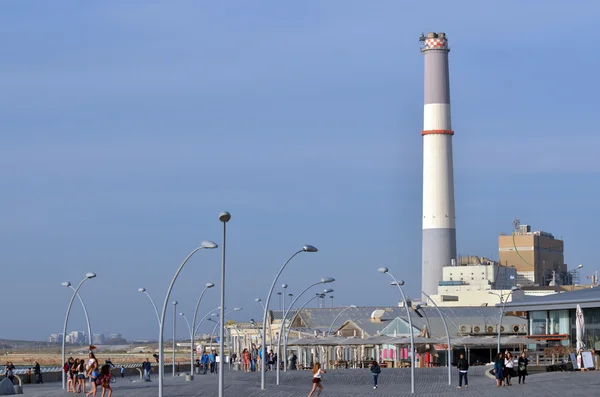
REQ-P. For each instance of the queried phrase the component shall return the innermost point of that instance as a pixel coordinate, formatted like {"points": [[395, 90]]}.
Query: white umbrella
{"points": [[580, 329]]}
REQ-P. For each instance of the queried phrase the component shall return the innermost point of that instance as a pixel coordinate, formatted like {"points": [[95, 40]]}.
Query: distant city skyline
{"points": [[129, 126]]}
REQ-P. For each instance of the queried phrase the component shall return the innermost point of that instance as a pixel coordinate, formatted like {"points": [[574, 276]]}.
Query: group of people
{"points": [[208, 361], [504, 369], [77, 370], [251, 359]]}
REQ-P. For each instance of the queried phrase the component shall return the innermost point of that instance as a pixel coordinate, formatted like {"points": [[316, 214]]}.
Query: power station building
{"points": [[537, 256]]}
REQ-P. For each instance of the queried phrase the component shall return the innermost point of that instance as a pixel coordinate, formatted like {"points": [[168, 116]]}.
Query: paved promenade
{"points": [[350, 383]]}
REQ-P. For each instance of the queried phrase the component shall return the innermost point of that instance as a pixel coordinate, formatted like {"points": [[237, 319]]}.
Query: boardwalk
{"points": [[350, 383]]}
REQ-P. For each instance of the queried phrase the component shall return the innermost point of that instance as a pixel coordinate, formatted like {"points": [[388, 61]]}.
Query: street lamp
{"points": [[193, 326], [318, 295], [385, 270], [447, 333], [338, 315], [191, 342], [143, 290], [324, 280], [87, 318], [306, 248], [513, 289], [161, 371], [223, 217], [87, 277], [174, 325], [237, 309], [210, 313]]}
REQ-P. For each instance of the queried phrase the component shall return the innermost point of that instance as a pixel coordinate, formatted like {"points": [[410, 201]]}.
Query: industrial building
{"points": [[537, 256]]}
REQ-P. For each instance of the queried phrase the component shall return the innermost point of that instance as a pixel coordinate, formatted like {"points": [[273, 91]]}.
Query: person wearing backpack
{"points": [[463, 368], [375, 371]]}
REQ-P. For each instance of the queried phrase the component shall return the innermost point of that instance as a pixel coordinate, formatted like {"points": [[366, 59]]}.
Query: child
{"points": [[105, 380]]}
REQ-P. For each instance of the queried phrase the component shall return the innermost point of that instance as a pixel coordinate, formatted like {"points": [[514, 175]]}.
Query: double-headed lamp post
{"points": [[503, 302], [87, 318], [306, 248], [324, 280], [161, 356], [385, 270], [87, 277], [143, 291]]}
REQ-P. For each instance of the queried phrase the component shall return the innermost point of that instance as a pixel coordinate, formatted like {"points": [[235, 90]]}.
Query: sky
{"points": [[127, 126]]}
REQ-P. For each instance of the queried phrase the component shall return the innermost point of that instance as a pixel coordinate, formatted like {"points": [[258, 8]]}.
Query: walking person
{"points": [[316, 380], [509, 368], [522, 367], [463, 368], [93, 372], [499, 369], [105, 380], [253, 357], [37, 371], [246, 358], [292, 361], [375, 371], [204, 360], [146, 368], [122, 371]]}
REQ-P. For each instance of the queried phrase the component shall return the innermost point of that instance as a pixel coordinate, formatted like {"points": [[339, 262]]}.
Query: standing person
{"points": [[212, 359], [270, 358], [509, 368], [205, 361], [253, 357], [75, 375], [93, 372], [105, 380], [463, 368], [122, 371], [498, 369], [9, 371], [146, 368], [81, 376], [292, 360], [522, 367], [316, 380], [246, 358], [37, 371], [375, 371]]}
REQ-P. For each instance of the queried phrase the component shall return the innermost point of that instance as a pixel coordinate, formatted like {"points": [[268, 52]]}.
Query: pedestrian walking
{"points": [[463, 368], [317, 379], [522, 367], [105, 380], [375, 371], [499, 369], [37, 371], [509, 368]]}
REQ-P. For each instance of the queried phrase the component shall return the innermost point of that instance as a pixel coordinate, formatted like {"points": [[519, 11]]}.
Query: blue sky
{"points": [[127, 126]]}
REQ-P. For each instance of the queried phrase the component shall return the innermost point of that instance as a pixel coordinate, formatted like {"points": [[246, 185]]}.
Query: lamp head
{"points": [[290, 295], [66, 284], [141, 289], [321, 295], [224, 216], [353, 306], [237, 309], [258, 300], [284, 286], [209, 285], [309, 248], [383, 269], [399, 283], [326, 291], [90, 275], [579, 267], [206, 244], [326, 280], [175, 303], [514, 288], [279, 293], [491, 293], [181, 314]]}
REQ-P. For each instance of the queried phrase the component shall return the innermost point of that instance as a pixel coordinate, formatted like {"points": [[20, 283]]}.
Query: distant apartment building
{"points": [[73, 337], [55, 338], [98, 339], [537, 256]]}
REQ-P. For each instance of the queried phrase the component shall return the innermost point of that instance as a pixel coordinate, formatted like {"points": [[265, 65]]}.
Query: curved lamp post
{"points": [[87, 277], [191, 342], [193, 326], [161, 370], [224, 217], [447, 334], [143, 290], [253, 323], [503, 301], [324, 280], [318, 295], [87, 318], [221, 353], [306, 248], [210, 313], [339, 314], [385, 270]]}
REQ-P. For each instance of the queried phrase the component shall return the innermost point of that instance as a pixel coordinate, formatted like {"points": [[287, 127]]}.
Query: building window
{"points": [[538, 324]]}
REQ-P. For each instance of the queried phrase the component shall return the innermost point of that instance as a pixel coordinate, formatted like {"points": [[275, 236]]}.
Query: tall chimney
{"points": [[439, 220]]}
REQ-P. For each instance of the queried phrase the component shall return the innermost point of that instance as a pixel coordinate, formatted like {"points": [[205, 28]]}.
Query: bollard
{"points": [[189, 378], [18, 389]]}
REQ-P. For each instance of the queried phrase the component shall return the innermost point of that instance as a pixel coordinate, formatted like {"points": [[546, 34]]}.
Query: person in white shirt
{"points": [[509, 364], [316, 380]]}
